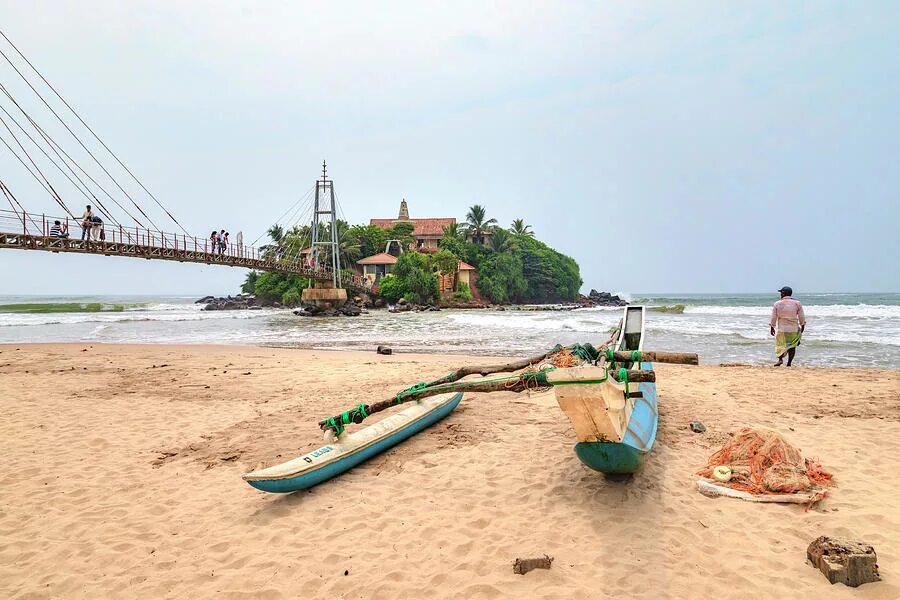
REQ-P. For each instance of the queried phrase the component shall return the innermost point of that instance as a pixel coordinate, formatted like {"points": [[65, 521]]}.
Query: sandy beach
{"points": [[122, 464]]}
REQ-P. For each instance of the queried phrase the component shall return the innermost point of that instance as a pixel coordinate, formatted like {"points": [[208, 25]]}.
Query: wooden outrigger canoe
{"points": [[353, 448], [615, 423]]}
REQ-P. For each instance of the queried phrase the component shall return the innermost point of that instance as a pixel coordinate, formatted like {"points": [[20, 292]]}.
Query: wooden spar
{"points": [[517, 383], [485, 370], [678, 358]]}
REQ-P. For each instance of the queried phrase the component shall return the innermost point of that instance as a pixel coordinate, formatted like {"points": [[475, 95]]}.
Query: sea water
{"points": [[844, 330]]}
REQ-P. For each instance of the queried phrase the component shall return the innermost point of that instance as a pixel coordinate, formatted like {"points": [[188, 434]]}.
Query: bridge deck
{"points": [[152, 245]]}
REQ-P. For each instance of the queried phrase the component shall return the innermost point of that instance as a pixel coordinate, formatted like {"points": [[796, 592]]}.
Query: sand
{"points": [[121, 479]]}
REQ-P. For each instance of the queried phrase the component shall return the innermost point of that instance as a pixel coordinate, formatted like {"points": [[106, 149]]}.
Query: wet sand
{"points": [[122, 464]]}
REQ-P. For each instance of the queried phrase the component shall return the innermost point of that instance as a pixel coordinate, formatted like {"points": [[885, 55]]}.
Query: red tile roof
{"points": [[378, 259], [464, 266], [422, 226]]}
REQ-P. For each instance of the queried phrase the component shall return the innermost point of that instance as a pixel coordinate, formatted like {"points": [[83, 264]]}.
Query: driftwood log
{"points": [[523, 565]]}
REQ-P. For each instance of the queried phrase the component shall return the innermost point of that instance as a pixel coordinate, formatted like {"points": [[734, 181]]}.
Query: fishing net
{"points": [[762, 462]]}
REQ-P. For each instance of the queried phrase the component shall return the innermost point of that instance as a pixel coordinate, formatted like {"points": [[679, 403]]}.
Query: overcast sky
{"points": [[667, 147]]}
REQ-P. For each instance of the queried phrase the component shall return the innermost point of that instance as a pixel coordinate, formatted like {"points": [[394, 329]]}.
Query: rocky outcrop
{"points": [[349, 309], [239, 302], [404, 306], [596, 298]]}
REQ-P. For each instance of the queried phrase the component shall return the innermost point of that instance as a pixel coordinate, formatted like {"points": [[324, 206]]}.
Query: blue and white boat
{"points": [[353, 448], [615, 423]]}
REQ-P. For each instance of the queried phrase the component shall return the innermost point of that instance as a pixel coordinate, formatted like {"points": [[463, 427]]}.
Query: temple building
{"points": [[426, 232]]}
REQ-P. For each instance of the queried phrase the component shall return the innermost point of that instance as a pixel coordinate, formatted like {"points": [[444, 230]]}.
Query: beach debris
{"points": [[383, 350], [759, 464], [850, 562], [523, 565], [697, 427]]}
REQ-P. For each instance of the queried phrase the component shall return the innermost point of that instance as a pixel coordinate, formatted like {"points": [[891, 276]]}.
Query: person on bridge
{"points": [[213, 244], [97, 228], [225, 242], [86, 222], [58, 230], [221, 239]]}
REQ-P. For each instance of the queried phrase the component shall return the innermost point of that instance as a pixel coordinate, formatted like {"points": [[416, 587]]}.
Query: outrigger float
{"points": [[608, 394]]}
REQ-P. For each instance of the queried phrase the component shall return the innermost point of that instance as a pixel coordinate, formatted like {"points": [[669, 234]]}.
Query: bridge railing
{"points": [[40, 225]]}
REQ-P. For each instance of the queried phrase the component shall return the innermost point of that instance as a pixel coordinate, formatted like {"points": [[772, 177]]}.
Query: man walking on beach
{"points": [[787, 325]]}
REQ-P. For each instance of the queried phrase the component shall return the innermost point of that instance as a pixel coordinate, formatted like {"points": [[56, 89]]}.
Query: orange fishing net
{"points": [[762, 462], [564, 359]]}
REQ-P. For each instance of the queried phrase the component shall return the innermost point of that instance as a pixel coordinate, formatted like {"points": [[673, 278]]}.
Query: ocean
{"points": [[844, 330]]}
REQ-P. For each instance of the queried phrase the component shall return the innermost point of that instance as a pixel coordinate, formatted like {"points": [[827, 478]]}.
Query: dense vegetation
{"points": [[511, 264]]}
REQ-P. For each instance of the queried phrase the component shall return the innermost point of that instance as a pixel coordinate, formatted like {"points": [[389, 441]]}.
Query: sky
{"points": [[716, 147]]}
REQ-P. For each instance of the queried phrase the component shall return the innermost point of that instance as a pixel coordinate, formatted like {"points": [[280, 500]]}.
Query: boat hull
{"points": [[627, 456], [354, 448], [627, 453]]}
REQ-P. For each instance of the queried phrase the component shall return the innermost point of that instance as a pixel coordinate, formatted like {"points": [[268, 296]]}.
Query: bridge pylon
{"points": [[321, 293]]}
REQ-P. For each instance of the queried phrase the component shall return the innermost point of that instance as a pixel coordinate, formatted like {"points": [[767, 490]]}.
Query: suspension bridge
{"points": [[66, 158]]}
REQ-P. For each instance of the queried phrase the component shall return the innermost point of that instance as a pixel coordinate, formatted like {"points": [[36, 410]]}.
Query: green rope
{"points": [[623, 377], [585, 352], [338, 428], [610, 355], [636, 356], [410, 390]]}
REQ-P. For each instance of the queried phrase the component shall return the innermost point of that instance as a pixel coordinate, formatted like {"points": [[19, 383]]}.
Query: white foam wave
{"points": [[872, 311], [535, 321]]}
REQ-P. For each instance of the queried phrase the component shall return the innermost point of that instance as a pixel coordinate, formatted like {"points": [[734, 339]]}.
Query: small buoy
{"points": [[722, 473]]}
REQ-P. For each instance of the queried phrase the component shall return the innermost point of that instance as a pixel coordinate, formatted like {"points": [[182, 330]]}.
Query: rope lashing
{"points": [[610, 355], [335, 426], [623, 377], [410, 390], [636, 356], [354, 415]]}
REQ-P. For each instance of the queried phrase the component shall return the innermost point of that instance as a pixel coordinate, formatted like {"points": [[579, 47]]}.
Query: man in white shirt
{"points": [[787, 325]]}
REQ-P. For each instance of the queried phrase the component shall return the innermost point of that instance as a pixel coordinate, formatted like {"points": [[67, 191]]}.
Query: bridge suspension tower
{"points": [[325, 294], [325, 206]]}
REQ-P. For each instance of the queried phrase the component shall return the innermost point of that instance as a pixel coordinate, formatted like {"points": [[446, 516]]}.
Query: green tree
{"points": [[391, 288], [249, 282], [401, 231], [453, 230], [477, 224], [502, 240], [274, 249], [371, 239], [415, 271], [501, 279], [444, 261], [520, 229]]}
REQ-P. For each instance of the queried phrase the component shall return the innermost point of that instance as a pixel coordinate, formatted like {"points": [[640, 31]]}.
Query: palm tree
{"points": [[452, 230], [520, 229], [276, 248], [349, 244], [502, 240], [477, 225]]}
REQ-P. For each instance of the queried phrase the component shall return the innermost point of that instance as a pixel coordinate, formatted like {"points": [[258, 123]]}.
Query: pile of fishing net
{"points": [[579, 354], [759, 461]]}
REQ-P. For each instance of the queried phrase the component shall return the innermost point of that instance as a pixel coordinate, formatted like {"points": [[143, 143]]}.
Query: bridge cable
{"points": [[57, 149], [77, 139], [279, 219], [86, 192], [51, 189], [102, 143]]}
